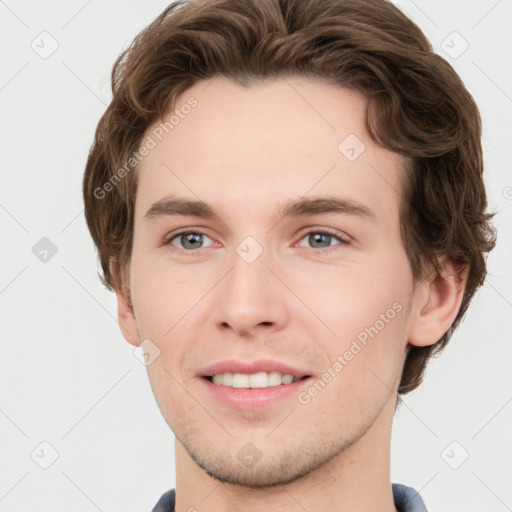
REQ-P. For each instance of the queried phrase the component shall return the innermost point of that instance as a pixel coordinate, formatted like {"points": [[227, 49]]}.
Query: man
{"points": [[287, 199]]}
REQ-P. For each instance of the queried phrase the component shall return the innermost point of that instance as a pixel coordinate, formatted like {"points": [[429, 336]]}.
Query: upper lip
{"points": [[250, 367]]}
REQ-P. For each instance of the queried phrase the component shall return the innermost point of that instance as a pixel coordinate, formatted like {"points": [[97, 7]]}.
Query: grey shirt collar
{"points": [[406, 500]]}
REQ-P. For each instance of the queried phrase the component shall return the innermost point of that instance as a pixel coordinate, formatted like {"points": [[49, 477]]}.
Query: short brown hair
{"points": [[417, 107]]}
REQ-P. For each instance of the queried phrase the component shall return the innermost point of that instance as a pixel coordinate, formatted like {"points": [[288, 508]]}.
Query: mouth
{"points": [[250, 386], [260, 380]]}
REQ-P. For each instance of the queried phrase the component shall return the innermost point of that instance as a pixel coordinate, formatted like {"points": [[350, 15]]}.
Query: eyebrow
{"points": [[299, 208]]}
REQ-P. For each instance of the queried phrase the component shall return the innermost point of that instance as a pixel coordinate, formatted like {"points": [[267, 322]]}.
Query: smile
{"points": [[258, 380]]}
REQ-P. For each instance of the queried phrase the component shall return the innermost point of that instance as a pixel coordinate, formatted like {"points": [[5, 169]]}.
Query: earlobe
{"points": [[125, 315], [439, 301]]}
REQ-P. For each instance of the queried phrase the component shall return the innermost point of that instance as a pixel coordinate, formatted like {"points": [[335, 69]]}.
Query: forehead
{"points": [[254, 147]]}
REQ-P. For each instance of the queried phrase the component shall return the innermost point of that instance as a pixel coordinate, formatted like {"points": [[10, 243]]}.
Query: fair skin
{"points": [[247, 152]]}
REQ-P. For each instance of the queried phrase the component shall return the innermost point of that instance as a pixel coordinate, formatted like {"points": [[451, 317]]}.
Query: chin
{"points": [[272, 467]]}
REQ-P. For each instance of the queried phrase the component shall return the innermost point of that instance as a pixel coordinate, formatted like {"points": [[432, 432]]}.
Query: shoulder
{"points": [[407, 499], [165, 503]]}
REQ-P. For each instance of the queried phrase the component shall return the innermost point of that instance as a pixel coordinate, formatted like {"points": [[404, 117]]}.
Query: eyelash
{"points": [[322, 231]]}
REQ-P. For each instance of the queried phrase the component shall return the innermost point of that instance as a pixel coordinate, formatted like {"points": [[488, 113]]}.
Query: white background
{"points": [[68, 377]]}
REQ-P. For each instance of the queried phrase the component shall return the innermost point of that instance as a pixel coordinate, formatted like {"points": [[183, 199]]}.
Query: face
{"points": [[294, 270]]}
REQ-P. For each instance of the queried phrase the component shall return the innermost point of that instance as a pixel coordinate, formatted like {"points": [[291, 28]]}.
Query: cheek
{"points": [[354, 295], [160, 294], [364, 368], [367, 310], [163, 306]]}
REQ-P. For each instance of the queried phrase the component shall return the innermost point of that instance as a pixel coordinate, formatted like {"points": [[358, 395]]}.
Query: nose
{"points": [[252, 297]]}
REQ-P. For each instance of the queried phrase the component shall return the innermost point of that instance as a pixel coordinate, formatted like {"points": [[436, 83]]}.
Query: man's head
{"points": [[267, 111]]}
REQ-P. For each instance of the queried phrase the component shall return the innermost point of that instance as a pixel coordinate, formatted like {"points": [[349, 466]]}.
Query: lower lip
{"points": [[250, 399]]}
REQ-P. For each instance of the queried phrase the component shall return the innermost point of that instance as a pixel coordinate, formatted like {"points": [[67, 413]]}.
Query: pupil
{"points": [[191, 238], [317, 237]]}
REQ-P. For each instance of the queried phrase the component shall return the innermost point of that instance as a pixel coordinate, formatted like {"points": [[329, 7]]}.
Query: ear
{"points": [[125, 315], [437, 304]]}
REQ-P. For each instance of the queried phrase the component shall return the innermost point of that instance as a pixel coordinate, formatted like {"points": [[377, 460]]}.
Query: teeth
{"points": [[240, 380], [255, 380]]}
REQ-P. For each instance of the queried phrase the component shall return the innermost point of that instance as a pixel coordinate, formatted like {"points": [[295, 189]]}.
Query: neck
{"points": [[356, 479]]}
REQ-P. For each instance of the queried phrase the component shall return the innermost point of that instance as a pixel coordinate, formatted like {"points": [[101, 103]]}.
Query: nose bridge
{"points": [[249, 295], [248, 280]]}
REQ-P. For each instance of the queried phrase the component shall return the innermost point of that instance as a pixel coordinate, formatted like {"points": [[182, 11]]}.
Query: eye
{"points": [[188, 240], [323, 238]]}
